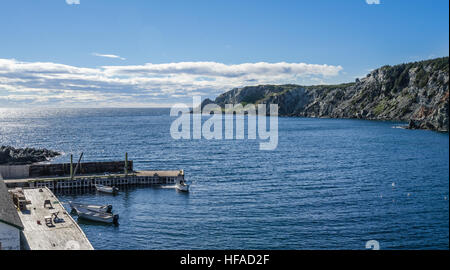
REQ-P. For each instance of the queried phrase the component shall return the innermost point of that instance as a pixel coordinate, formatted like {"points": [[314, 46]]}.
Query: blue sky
{"points": [[156, 53]]}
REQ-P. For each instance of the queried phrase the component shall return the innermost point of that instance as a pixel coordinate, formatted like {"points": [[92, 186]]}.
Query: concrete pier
{"points": [[37, 235]]}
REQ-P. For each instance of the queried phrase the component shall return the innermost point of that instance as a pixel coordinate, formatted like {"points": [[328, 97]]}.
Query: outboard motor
{"points": [[116, 219]]}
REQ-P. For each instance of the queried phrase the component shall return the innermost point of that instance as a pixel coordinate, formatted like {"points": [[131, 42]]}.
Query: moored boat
{"points": [[96, 216], [106, 189], [182, 186], [92, 207]]}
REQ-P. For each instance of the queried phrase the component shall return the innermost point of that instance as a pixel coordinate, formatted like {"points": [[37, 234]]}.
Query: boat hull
{"points": [[106, 189], [181, 187], [96, 216], [91, 207]]}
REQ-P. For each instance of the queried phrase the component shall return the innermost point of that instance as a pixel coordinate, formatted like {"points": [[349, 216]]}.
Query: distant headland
{"points": [[416, 93]]}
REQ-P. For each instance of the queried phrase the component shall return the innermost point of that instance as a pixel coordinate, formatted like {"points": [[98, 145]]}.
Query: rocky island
{"points": [[416, 93], [19, 156]]}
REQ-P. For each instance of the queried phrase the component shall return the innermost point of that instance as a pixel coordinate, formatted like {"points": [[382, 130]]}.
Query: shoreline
{"points": [[404, 123]]}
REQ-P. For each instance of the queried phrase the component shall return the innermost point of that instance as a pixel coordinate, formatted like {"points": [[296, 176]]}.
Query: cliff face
{"points": [[415, 92]]}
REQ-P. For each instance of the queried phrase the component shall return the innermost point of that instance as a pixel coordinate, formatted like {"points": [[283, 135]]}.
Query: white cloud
{"points": [[223, 70], [108, 56], [73, 2], [373, 2], [46, 83]]}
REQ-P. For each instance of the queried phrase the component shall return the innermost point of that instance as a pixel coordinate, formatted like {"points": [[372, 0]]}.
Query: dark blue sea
{"points": [[330, 183]]}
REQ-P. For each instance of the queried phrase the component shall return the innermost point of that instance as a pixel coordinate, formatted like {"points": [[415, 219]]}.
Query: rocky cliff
{"points": [[417, 93]]}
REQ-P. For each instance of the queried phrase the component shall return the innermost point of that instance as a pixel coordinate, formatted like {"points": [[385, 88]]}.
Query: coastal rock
{"points": [[206, 102], [19, 156]]}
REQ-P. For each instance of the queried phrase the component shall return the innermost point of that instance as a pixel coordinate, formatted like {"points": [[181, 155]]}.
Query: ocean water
{"points": [[330, 184]]}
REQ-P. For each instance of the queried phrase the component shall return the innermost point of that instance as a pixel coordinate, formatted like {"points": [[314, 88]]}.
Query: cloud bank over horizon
{"points": [[53, 84]]}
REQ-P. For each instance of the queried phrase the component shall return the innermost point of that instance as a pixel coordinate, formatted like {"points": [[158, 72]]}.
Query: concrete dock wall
{"points": [[42, 170], [15, 171], [63, 169]]}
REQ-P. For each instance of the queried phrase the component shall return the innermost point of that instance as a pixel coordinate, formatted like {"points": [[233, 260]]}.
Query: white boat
{"points": [[92, 207], [96, 216], [182, 186], [107, 189]]}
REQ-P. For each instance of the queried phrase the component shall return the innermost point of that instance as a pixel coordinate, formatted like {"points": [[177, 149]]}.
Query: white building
{"points": [[10, 223]]}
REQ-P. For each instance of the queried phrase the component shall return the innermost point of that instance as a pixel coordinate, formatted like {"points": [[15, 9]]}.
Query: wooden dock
{"points": [[88, 182], [58, 236]]}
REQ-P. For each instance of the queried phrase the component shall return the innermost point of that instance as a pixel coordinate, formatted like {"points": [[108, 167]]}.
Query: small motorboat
{"points": [[92, 207], [96, 216], [182, 186], [107, 189]]}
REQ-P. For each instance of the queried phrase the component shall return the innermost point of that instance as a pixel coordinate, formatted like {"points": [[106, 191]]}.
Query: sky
{"points": [[117, 53]]}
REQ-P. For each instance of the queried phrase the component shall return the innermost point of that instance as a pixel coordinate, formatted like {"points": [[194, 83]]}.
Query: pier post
{"points": [[126, 164], [78, 165], [71, 167]]}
